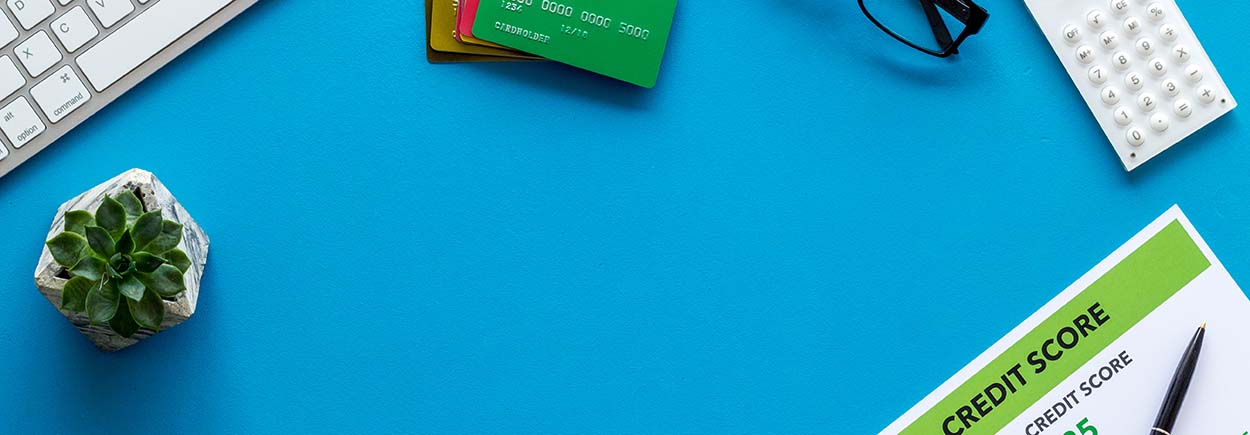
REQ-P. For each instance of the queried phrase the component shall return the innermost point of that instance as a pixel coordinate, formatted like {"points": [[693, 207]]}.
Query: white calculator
{"points": [[1140, 68]]}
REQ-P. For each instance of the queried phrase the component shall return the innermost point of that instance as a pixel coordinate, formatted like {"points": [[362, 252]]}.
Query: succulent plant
{"points": [[122, 263]]}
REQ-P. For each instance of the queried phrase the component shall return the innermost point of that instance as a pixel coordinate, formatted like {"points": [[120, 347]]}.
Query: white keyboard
{"points": [[1140, 68], [63, 60]]}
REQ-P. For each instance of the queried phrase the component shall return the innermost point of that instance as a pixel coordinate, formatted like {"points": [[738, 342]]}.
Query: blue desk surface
{"points": [[805, 227]]}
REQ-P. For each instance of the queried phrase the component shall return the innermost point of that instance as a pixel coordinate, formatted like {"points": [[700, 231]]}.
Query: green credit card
{"points": [[622, 39]]}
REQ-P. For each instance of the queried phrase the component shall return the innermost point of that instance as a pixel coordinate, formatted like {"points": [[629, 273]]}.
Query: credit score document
{"points": [[1098, 358]]}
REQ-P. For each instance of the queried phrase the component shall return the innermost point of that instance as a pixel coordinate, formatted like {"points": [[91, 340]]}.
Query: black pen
{"points": [[1180, 385]]}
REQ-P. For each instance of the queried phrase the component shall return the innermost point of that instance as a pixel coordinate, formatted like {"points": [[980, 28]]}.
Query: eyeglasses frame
{"points": [[970, 14]]}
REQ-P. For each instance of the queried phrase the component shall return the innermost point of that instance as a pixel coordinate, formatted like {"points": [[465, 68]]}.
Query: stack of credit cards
{"points": [[622, 39]]}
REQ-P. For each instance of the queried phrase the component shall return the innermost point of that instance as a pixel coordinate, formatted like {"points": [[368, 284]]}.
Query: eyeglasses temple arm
{"points": [[940, 32]]}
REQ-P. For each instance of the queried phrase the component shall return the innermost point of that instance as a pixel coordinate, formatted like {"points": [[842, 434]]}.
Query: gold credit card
{"points": [[440, 25]]}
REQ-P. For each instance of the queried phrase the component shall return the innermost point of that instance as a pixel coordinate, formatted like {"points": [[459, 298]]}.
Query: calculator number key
{"points": [[1122, 116], [1098, 75], [1134, 81], [1136, 137], [1110, 95], [1147, 102], [1170, 87], [1158, 67], [1122, 61]]}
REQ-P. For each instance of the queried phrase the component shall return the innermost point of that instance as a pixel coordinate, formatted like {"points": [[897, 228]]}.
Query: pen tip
{"points": [[1204, 325]]}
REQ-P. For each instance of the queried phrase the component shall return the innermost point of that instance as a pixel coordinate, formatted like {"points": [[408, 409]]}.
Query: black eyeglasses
{"points": [[920, 23]]}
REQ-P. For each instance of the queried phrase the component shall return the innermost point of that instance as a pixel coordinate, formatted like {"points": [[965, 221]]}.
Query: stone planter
{"points": [[50, 277]]}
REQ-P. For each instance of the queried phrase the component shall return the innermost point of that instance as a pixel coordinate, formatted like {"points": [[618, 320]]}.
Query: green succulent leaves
{"points": [[123, 263]]}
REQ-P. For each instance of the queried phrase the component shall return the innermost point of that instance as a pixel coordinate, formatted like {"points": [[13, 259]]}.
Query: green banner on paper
{"points": [[1050, 353]]}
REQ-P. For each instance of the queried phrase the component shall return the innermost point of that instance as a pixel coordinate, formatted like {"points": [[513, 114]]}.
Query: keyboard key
{"points": [[1182, 108], [74, 29], [1145, 47], [20, 123], [10, 78], [8, 32], [38, 53], [31, 12], [111, 11], [4, 151], [60, 94], [141, 38]]}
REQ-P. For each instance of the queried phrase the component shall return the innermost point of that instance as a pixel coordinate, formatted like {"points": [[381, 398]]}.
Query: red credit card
{"points": [[464, 20]]}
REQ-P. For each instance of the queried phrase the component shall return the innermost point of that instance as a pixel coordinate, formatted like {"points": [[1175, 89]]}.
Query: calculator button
{"points": [[1181, 54], [1159, 122], [1119, 6], [1170, 87], [1194, 73], [1182, 108], [1147, 102], [1206, 94], [1158, 67], [1109, 39], [1145, 46], [1110, 95], [1072, 34], [1136, 137], [1134, 81], [1121, 61], [1132, 25], [1085, 54], [1095, 18], [1122, 116], [1168, 31], [1098, 75], [1155, 11]]}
